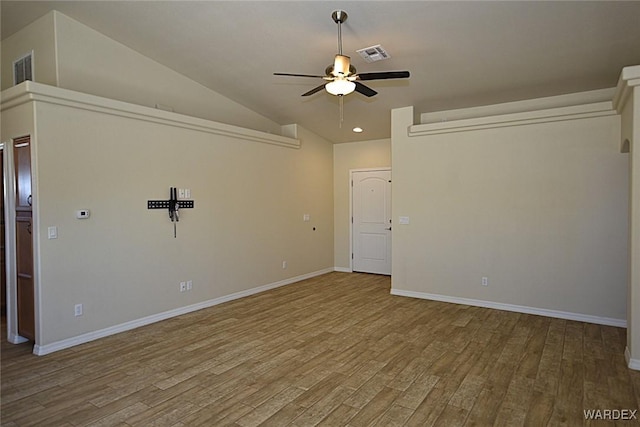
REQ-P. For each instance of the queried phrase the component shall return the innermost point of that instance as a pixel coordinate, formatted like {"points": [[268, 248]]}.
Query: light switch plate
{"points": [[404, 220], [53, 232]]}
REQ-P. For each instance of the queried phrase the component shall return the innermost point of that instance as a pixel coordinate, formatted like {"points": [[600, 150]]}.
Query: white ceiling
{"points": [[459, 54]]}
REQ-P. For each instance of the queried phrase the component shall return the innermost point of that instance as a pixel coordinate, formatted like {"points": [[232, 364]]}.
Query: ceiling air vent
{"points": [[373, 53]]}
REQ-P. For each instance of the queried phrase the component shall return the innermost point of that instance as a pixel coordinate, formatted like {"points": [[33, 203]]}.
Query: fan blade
{"points": [[314, 90], [298, 75], [384, 75], [365, 90]]}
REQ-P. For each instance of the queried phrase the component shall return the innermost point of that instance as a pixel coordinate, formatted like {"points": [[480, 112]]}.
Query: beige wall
{"points": [[629, 106], [634, 194], [123, 263], [540, 209], [355, 155], [38, 37]]}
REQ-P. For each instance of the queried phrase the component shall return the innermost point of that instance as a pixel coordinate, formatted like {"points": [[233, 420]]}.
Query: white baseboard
{"points": [[621, 323], [41, 350], [16, 339], [342, 269], [631, 363]]}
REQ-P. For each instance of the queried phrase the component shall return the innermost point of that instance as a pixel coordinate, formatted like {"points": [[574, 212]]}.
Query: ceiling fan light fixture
{"points": [[340, 87]]}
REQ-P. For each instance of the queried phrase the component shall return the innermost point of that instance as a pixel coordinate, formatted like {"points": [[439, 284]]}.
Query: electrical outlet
{"points": [[284, 264], [189, 285], [77, 310], [183, 286], [485, 281]]}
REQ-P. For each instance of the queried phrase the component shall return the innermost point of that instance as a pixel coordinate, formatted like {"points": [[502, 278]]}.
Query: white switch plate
{"points": [[77, 310], [404, 220], [53, 232], [306, 217], [180, 193], [187, 193], [189, 285]]}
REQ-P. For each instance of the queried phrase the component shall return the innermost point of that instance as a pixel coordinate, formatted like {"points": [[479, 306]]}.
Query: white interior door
{"points": [[371, 231]]}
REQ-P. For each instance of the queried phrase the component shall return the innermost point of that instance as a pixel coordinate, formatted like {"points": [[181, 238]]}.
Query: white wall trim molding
{"points": [[629, 77], [621, 323], [343, 269], [631, 363], [41, 350], [31, 91], [575, 112]]}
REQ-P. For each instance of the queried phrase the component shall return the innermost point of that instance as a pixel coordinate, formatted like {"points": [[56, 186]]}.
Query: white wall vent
{"points": [[23, 69], [373, 53]]}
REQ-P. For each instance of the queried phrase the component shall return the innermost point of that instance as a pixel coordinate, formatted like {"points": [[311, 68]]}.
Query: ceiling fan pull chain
{"points": [[341, 97]]}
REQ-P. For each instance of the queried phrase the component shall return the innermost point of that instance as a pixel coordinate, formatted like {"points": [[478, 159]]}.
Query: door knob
{"points": [[389, 228]]}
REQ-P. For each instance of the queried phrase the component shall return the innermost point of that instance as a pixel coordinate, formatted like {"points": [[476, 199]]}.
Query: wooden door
{"points": [[3, 277], [24, 238], [371, 207]]}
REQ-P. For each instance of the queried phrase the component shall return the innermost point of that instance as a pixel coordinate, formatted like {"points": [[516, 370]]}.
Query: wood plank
{"points": [[337, 349]]}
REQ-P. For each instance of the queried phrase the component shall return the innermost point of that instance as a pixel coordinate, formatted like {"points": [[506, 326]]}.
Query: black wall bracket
{"points": [[164, 204], [173, 205]]}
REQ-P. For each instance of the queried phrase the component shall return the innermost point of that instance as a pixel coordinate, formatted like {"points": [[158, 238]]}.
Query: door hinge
{"points": [[352, 256], [352, 183]]}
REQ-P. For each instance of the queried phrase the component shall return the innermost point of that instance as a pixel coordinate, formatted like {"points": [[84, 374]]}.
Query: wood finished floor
{"points": [[334, 350]]}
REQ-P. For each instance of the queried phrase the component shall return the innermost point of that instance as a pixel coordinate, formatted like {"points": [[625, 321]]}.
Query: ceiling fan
{"points": [[342, 77]]}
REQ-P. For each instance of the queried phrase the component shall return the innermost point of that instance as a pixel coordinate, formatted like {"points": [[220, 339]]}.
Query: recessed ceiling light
{"points": [[357, 130]]}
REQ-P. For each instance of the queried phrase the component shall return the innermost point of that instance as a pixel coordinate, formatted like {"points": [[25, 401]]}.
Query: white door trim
{"points": [[351, 172]]}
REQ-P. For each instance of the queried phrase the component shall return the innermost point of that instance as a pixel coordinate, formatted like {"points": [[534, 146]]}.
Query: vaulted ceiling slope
{"points": [[460, 54]]}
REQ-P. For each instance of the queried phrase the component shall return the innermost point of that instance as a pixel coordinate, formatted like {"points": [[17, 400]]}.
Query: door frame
{"points": [[10, 243], [351, 172]]}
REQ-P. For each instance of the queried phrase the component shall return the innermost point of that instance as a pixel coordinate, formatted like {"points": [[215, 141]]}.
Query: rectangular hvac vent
{"points": [[373, 53], [23, 69]]}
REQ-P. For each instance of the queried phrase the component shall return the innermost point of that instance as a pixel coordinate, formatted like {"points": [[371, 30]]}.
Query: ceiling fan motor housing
{"points": [[341, 67]]}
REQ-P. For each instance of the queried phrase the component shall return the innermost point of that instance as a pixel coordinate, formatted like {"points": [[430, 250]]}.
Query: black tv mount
{"points": [[173, 205]]}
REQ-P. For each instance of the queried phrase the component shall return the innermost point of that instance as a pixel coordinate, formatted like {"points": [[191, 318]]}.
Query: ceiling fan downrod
{"points": [[339, 16]]}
